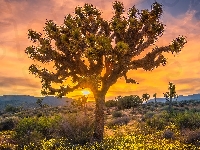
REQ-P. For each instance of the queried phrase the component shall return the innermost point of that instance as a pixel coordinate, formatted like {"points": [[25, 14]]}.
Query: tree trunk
{"points": [[99, 117], [155, 102], [170, 104]]}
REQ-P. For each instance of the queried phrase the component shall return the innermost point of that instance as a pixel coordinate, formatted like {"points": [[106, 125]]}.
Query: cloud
{"points": [[17, 81], [186, 80], [19, 85]]}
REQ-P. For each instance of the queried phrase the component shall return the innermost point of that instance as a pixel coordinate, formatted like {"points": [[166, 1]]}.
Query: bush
{"points": [[158, 121], [111, 103], [76, 128], [119, 121], [128, 102], [8, 123], [188, 119], [165, 108], [116, 114], [34, 129], [168, 134], [11, 109], [181, 110], [193, 137], [149, 115]]}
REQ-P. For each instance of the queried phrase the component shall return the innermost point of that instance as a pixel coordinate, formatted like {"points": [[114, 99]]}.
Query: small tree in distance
{"points": [[90, 52], [145, 97], [39, 102], [171, 94], [155, 101]]}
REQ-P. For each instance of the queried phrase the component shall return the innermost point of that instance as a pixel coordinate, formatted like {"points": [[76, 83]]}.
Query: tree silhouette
{"points": [[171, 94], [154, 95], [90, 52], [145, 97]]}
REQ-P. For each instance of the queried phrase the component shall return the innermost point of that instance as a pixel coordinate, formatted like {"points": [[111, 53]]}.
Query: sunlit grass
{"points": [[126, 137], [134, 135]]}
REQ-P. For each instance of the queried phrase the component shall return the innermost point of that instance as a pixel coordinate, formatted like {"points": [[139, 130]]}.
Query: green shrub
{"points": [[149, 114], [111, 103], [165, 108], [128, 102], [116, 114], [156, 123], [11, 109], [188, 119], [24, 130], [34, 129], [193, 137]]}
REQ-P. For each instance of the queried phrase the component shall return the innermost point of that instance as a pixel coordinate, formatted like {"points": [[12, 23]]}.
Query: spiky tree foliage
{"points": [[170, 95], [90, 52], [145, 97]]}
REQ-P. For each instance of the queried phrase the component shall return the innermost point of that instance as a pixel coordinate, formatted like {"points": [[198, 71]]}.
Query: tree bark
{"points": [[99, 117]]}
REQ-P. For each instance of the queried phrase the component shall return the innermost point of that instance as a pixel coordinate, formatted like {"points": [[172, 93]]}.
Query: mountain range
{"points": [[27, 101], [180, 98]]}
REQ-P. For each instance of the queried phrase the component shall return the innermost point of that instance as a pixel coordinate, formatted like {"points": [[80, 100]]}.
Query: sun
{"points": [[85, 92]]}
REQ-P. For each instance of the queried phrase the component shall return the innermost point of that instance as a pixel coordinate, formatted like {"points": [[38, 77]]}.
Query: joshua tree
{"points": [[84, 103], [145, 97], [171, 94], [90, 52], [154, 95], [39, 102]]}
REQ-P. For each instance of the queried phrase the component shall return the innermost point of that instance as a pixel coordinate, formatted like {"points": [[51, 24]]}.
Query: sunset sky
{"points": [[181, 17]]}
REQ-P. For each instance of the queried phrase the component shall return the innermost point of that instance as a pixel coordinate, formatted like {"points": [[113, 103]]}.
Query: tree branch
{"points": [[148, 62]]}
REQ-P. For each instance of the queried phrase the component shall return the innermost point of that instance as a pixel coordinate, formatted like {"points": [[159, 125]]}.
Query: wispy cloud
{"points": [[8, 82]]}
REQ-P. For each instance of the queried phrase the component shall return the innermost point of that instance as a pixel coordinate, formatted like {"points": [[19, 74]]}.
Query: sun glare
{"points": [[85, 92]]}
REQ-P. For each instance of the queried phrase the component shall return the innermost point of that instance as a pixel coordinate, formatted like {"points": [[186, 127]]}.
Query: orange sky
{"points": [[180, 18]]}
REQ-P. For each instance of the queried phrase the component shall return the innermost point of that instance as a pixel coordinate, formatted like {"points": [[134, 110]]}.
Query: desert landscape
{"points": [[129, 125], [99, 78]]}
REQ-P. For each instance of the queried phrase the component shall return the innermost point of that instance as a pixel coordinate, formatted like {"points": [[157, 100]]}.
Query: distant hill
{"points": [[27, 101], [180, 98]]}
